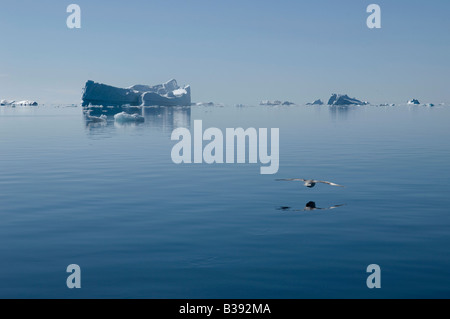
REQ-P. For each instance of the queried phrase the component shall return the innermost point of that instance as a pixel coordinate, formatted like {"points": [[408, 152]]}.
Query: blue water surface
{"points": [[109, 198]]}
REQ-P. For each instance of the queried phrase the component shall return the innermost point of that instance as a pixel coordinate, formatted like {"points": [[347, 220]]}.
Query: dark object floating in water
{"points": [[308, 182], [166, 94], [344, 99], [308, 207]]}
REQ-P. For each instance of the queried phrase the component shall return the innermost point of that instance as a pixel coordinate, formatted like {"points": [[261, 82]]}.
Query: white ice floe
{"points": [[124, 117], [96, 119], [414, 102], [276, 102], [18, 103], [6, 102], [25, 103], [204, 104]]}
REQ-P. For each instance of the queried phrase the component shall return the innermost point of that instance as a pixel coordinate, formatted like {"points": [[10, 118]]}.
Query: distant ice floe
{"points": [[316, 102], [26, 103], [414, 102], [276, 102], [344, 99], [18, 103], [203, 104], [96, 119], [124, 117], [208, 104], [6, 102]]}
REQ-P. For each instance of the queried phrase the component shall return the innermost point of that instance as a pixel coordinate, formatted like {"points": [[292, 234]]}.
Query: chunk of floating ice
{"points": [[414, 101], [25, 103], [344, 99], [96, 119], [19, 103], [316, 102], [166, 94], [204, 104], [124, 117]]}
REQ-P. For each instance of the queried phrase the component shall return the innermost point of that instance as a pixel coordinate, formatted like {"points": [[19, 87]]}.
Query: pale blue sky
{"points": [[233, 51]]}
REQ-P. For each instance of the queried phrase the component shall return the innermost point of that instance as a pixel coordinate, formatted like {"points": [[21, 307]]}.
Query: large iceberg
{"points": [[344, 99], [166, 94]]}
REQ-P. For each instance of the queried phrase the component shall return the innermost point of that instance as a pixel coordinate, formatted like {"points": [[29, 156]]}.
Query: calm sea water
{"points": [[109, 198]]}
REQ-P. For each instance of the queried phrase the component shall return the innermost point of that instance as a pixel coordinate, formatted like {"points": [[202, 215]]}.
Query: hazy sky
{"points": [[233, 51]]}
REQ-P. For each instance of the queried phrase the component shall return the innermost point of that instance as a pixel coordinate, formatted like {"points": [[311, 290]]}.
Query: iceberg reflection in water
{"points": [[165, 118]]}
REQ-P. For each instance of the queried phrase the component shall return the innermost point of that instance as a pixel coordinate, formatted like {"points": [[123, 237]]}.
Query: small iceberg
{"points": [[96, 119], [124, 117], [25, 103], [6, 102], [203, 104], [18, 103], [344, 99], [413, 102], [276, 102], [316, 102]]}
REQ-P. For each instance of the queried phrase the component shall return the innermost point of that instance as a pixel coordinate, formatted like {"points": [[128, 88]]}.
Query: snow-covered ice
{"points": [[276, 102], [96, 119], [124, 117], [18, 103], [204, 104], [25, 103], [6, 102]]}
